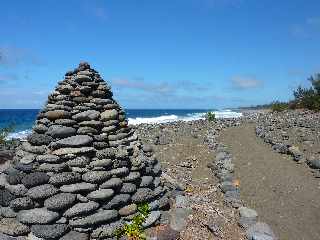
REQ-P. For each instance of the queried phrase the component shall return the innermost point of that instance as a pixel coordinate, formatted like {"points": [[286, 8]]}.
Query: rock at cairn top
{"points": [[80, 168]]}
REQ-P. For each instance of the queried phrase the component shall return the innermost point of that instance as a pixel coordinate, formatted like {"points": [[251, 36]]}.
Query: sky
{"points": [[164, 54]]}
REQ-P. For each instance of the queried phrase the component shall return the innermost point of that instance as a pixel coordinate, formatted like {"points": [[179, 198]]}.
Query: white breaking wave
{"points": [[19, 135], [152, 120], [189, 117]]}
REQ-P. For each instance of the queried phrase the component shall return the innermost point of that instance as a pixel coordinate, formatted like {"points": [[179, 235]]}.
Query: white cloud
{"points": [[243, 83]]}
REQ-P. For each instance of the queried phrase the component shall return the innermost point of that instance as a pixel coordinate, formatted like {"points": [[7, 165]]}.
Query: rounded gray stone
{"points": [[39, 139], [114, 183], [52, 231], [48, 158], [74, 141], [35, 179], [118, 201], [142, 195], [12, 227], [132, 177], [73, 235], [152, 218], [65, 178], [78, 187], [81, 209], [128, 188], [146, 181], [86, 116], [21, 203], [101, 194], [59, 131], [37, 216], [94, 219], [96, 176], [5, 197], [42, 191], [60, 201], [260, 231]]}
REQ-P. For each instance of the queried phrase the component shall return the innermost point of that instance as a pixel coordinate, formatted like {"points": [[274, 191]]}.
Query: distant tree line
{"points": [[304, 98]]}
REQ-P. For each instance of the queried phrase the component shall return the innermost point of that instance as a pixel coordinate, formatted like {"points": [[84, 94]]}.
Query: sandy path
{"points": [[285, 194]]}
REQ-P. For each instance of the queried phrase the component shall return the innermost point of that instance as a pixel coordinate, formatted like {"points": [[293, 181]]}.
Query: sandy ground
{"points": [[185, 159], [285, 194]]}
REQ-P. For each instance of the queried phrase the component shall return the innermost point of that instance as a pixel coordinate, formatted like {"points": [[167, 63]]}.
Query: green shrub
{"points": [[279, 106], [134, 230], [4, 132], [210, 116]]}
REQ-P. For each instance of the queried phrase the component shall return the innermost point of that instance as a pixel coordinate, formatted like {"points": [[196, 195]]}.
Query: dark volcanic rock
{"points": [[49, 231], [39, 139], [35, 179]]}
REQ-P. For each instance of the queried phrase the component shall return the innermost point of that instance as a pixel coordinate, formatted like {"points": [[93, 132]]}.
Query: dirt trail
{"points": [[285, 194]]}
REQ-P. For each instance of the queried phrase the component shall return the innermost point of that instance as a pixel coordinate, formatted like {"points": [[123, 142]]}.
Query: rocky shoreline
{"points": [[213, 198]]}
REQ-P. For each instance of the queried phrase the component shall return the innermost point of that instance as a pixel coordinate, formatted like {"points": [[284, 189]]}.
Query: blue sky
{"points": [[161, 54]]}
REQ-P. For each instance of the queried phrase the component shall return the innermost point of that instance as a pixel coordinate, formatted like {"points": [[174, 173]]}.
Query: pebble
{"points": [[37, 216], [49, 231], [101, 194], [78, 187], [42, 191], [94, 219], [12, 227], [60, 201], [73, 235], [35, 179], [81, 209]]}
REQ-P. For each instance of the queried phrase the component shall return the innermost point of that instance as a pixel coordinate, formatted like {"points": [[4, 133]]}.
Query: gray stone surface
{"points": [[146, 181], [107, 231], [39, 139], [142, 194], [101, 194], [86, 116], [152, 218], [128, 188], [97, 218], [78, 187], [117, 201], [37, 216], [12, 227], [96, 176], [65, 178], [178, 218], [260, 231], [21, 203], [5, 197], [73, 235], [52, 231], [42, 191], [35, 179], [60, 201], [74, 141], [81, 209], [112, 183], [128, 210], [59, 131], [109, 115], [48, 158]]}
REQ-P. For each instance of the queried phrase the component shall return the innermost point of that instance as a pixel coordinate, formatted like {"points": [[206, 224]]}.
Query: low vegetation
{"points": [[4, 133], [210, 116], [304, 98], [134, 230]]}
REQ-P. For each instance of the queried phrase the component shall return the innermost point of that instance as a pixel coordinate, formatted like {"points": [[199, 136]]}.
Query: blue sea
{"points": [[23, 119]]}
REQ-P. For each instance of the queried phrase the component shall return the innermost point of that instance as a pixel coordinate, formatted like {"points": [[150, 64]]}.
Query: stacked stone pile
{"points": [[82, 171]]}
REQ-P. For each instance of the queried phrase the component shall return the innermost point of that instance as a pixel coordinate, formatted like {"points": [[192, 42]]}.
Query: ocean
{"points": [[23, 119]]}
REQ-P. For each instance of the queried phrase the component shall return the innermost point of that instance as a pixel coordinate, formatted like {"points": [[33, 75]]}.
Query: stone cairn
{"points": [[82, 170]]}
